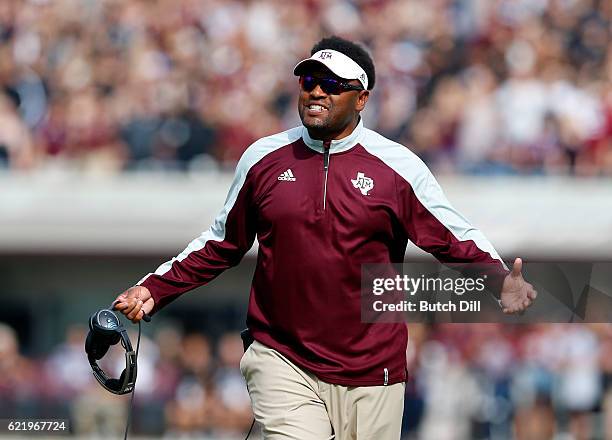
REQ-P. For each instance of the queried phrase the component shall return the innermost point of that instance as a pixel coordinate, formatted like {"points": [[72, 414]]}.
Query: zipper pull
{"points": [[386, 377], [326, 146]]}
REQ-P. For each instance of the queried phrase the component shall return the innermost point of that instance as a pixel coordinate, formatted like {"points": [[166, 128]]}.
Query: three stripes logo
{"points": [[287, 176]]}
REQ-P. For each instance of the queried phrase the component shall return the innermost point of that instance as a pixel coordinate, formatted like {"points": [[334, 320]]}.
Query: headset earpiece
{"points": [[95, 347], [116, 383], [105, 323]]}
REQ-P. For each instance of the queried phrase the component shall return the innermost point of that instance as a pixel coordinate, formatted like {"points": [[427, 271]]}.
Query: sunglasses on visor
{"points": [[329, 85]]}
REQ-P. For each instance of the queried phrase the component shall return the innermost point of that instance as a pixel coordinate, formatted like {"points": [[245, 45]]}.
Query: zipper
{"points": [[386, 377], [326, 146]]}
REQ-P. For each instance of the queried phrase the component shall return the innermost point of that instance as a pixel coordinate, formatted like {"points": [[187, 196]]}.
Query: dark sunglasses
{"points": [[329, 85]]}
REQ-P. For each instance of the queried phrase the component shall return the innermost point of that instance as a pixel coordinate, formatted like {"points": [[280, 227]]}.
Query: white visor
{"points": [[338, 63]]}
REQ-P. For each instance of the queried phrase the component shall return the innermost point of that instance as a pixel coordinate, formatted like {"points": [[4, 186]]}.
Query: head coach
{"points": [[323, 199]]}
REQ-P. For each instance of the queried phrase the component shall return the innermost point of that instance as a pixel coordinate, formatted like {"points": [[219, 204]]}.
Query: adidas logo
{"points": [[287, 175]]}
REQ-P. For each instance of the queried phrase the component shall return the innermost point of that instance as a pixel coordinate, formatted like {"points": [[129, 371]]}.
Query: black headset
{"points": [[105, 329]]}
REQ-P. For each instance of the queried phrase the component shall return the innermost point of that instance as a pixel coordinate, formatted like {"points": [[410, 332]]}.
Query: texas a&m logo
{"points": [[363, 183], [325, 55]]}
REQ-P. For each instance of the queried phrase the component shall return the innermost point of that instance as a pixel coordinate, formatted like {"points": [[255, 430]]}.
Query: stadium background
{"points": [[120, 123]]}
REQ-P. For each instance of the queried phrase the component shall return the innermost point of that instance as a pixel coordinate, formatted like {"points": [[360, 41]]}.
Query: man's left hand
{"points": [[516, 294]]}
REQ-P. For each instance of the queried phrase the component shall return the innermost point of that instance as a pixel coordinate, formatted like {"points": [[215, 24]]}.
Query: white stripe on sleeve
{"points": [[427, 190]]}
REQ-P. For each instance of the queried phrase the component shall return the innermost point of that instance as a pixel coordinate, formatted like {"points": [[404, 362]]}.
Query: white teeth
{"points": [[316, 107]]}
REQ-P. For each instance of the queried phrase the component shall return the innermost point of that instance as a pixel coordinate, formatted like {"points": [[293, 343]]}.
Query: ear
{"points": [[362, 98]]}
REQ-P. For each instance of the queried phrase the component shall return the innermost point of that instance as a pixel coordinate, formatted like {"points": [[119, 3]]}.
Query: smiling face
{"points": [[328, 116]]}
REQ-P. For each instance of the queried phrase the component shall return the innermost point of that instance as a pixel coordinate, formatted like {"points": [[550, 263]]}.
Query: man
{"points": [[323, 199]]}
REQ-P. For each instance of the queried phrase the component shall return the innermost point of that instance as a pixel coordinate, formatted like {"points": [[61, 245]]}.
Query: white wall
{"points": [[160, 214]]}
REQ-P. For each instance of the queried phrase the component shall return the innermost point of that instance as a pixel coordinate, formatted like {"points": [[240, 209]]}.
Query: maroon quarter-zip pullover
{"points": [[319, 212]]}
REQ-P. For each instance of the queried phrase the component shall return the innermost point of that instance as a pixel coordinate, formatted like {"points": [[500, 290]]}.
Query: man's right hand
{"points": [[134, 303]]}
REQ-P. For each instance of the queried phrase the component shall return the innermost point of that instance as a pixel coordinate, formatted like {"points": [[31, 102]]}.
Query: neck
{"points": [[326, 136]]}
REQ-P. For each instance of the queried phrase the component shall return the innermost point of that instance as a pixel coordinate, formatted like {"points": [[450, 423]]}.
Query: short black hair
{"points": [[353, 50]]}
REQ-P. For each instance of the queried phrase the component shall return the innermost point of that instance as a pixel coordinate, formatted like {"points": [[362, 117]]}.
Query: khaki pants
{"points": [[291, 403]]}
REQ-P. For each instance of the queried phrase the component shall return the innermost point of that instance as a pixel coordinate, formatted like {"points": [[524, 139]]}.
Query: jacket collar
{"points": [[337, 146]]}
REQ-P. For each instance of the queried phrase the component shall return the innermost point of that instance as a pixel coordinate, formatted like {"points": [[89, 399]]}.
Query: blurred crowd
{"points": [[493, 381], [485, 381], [473, 86]]}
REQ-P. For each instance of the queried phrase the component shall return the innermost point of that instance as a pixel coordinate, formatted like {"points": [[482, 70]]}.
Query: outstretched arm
{"points": [[434, 225], [221, 246]]}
